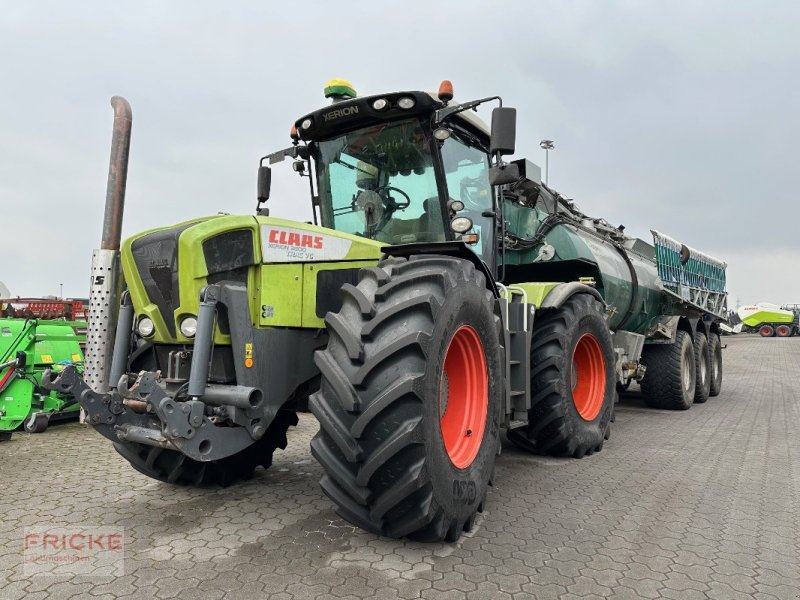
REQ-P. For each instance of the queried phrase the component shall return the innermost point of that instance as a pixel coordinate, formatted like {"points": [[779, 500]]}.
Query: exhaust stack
{"points": [[106, 283]]}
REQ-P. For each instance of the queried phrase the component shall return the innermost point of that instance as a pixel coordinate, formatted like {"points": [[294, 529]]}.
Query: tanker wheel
{"points": [[766, 331], [175, 467], [715, 352], [702, 361], [36, 423], [669, 381], [573, 382], [783, 331], [410, 398]]}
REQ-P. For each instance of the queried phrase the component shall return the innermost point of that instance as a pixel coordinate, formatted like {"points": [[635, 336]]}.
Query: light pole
{"points": [[61, 291], [546, 145]]}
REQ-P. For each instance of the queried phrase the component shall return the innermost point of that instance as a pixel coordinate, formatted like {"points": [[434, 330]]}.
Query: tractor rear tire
{"points": [[669, 381], [766, 331], [702, 361], [573, 381], [410, 398], [171, 466], [715, 352], [783, 331]]}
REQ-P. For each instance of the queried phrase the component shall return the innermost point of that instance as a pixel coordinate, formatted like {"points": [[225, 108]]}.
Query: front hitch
{"points": [[144, 413]]}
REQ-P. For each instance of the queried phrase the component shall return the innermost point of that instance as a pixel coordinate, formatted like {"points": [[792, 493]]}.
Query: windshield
{"points": [[466, 169], [379, 182]]}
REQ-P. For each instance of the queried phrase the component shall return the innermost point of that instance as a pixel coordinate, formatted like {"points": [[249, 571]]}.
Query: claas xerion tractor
{"points": [[440, 295]]}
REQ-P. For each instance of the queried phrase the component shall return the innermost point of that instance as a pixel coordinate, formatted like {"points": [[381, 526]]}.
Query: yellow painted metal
{"points": [[281, 295]]}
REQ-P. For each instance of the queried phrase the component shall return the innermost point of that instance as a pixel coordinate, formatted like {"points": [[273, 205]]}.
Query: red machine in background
{"points": [[43, 308]]}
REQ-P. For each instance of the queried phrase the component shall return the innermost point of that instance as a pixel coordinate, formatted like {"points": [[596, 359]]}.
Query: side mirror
{"points": [[504, 130], [264, 182]]}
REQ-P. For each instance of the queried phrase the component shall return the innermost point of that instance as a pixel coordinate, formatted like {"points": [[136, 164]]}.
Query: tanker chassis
{"points": [[440, 295]]}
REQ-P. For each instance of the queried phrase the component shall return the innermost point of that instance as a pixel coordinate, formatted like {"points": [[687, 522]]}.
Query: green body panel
{"points": [[47, 344], [276, 276], [768, 316]]}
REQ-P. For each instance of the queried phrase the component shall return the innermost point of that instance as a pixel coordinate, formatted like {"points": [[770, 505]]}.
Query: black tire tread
{"points": [[701, 390], [547, 432], [661, 386], [365, 492], [714, 346]]}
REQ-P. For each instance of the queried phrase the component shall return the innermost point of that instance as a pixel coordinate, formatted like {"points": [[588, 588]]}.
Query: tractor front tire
{"points": [[670, 379], [573, 381], [410, 398], [715, 352], [171, 466], [702, 361]]}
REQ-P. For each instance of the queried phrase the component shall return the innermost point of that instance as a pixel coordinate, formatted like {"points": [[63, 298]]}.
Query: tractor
{"points": [[440, 295]]}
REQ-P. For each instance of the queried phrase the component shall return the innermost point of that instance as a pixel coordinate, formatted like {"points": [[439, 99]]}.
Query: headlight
{"points": [[146, 328], [406, 103], [380, 104], [189, 327], [306, 124], [461, 224]]}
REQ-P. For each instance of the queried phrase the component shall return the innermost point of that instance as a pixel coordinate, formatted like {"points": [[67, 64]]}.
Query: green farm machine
{"points": [[441, 294], [37, 335]]}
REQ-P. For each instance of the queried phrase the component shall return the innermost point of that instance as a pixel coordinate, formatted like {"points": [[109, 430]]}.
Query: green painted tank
{"points": [[549, 239]]}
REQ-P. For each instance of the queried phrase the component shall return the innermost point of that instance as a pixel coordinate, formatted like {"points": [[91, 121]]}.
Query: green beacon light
{"points": [[339, 89]]}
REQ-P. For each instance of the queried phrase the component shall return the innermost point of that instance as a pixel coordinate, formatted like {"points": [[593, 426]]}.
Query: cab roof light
{"points": [[446, 91]]}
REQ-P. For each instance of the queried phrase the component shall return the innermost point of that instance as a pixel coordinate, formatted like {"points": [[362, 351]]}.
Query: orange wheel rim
{"points": [[588, 377], [463, 397]]}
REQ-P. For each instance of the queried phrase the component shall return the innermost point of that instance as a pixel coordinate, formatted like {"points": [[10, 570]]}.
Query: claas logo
{"points": [[298, 240]]}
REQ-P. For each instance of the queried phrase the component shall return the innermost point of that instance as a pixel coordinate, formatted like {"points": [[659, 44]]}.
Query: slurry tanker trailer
{"points": [[440, 295]]}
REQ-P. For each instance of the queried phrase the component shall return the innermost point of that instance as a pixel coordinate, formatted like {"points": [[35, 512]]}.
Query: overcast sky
{"points": [[681, 116]]}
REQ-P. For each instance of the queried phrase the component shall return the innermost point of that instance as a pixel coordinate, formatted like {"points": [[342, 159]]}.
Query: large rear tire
{"points": [[783, 331], [410, 398], [573, 383], [702, 361], [175, 467], [669, 381], [766, 331], [715, 352]]}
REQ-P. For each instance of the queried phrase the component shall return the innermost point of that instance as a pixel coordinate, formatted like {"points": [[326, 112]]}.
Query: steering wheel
{"points": [[391, 202]]}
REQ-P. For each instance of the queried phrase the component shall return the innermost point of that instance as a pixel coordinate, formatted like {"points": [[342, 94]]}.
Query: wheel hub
{"points": [[463, 397], [588, 377]]}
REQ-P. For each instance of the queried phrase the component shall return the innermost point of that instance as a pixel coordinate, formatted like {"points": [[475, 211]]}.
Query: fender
{"points": [[454, 249], [564, 291]]}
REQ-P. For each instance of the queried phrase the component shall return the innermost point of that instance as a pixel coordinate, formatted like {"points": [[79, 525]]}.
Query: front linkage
{"points": [[188, 419]]}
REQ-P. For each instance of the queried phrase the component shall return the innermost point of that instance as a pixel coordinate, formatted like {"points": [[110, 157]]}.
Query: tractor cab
{"points": [[400, 168]]}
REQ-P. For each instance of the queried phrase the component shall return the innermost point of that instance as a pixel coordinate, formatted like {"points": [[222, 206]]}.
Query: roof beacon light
{"points": [[446, 91], [339, 89], [293, 133]]}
